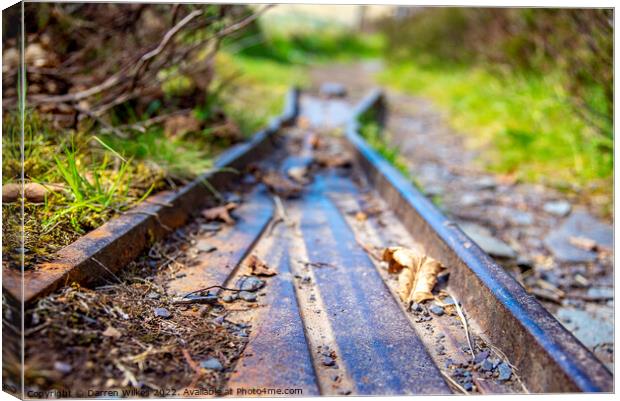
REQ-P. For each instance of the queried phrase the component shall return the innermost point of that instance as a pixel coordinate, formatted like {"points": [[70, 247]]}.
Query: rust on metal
{"points": [[277, 356], [548, 357], [231, 245], [95, 256]]}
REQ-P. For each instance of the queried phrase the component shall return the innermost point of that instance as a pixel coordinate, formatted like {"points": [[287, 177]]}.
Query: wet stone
{"points": [[504, 372], [248, 296], [211, 364], [250, 283], [437, 310], [162, 312]]}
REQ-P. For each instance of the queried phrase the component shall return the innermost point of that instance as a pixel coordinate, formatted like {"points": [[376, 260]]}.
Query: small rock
{"points": [[34, 192], [600, 293], [436, 309], [162, 312], [448, 301], [468, 386], [230, 298], [505, 371], [250, 283], [211, 364], [152, 295], [248, 296], [62, 367], [333, 89], [579, 224], [470, 199], [416, 307], [486, 365], [483, 183], [557, 208], [10, 193], [488, 243], [328, 361], [481, 356]]}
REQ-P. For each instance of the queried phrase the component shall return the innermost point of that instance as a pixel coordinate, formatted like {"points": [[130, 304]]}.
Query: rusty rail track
{"points": [[331, 322]]}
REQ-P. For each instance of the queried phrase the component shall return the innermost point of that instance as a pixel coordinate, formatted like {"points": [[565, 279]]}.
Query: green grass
{"points": [[525, 124]]}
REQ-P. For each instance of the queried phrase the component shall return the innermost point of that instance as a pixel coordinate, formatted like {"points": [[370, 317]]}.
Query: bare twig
{"points": [[459, 311]]}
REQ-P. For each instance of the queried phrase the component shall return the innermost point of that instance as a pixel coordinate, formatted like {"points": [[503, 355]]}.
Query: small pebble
{"points": [[436, 309], [481, 357], [229, 298], [250, 283], [328, 361], [62, 367], [248, 296], [211, 364], [505, 371], [162, 312], [486, 365], [416, 307], [558, 208]]}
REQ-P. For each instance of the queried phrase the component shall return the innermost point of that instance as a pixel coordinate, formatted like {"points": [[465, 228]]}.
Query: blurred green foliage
{"points": [[534, 84]]}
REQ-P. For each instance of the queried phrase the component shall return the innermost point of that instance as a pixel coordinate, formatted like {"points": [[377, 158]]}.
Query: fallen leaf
{"points": [[221, 213], [112, 332], [418, 273], [259, 268], [281, 185]]}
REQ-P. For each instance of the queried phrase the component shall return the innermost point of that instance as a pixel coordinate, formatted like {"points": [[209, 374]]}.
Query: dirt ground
{"points": [[558, 246]]}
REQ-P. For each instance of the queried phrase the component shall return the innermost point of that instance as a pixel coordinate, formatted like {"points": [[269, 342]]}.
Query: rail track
{"points": [[330, 320]]}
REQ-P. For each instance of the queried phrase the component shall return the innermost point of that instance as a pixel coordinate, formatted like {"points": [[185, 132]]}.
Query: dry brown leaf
{"points": [[418, 273], [259, 268], [281, 185], [112, 332], [221, 213]]}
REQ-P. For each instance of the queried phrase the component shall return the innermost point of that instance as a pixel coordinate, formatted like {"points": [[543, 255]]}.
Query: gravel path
{"points": [[559, 248]]}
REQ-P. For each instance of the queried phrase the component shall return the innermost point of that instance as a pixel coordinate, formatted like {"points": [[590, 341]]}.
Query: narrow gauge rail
{"points": [[331, 321]]}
